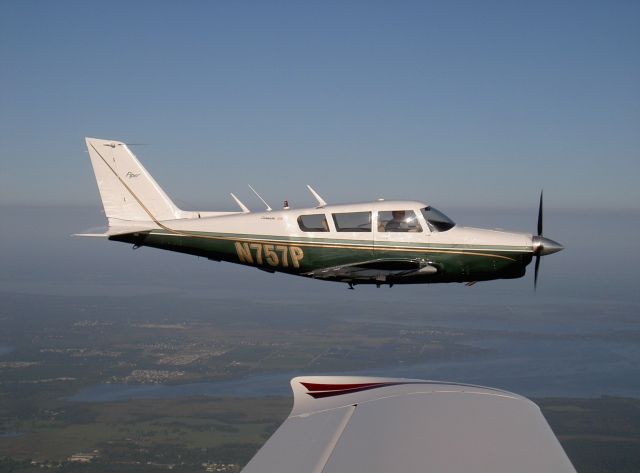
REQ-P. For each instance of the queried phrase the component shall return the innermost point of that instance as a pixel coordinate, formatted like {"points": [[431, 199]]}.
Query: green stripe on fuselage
{"points": [[455, 262]]}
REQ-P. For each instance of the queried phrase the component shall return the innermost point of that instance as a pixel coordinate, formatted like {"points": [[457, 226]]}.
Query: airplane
{"points": [[384, 242], [379, 425]]}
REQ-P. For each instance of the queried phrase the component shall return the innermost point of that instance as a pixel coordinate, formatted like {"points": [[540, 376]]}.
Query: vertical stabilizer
{"points": [[128, 191]]}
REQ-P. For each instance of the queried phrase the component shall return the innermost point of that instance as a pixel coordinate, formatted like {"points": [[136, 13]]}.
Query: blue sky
{"points": [[454, 103]]}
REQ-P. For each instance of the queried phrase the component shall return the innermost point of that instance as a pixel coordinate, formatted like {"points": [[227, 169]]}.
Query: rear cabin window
{"points": [[398, 221], [353, 221], [313, 223]]}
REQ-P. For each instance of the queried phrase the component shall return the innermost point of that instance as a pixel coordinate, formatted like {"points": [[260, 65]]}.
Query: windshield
{"points": [[438, 222]]}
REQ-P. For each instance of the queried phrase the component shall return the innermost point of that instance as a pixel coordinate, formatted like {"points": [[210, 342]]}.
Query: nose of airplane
{"points": [[545, 246]]}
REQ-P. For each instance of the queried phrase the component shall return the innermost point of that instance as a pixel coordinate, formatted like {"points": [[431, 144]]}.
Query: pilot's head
{"points": [[398, 214]]}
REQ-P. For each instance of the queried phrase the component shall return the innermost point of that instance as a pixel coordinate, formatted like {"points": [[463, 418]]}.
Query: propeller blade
{"points": [[540, 228], [540, 216]]}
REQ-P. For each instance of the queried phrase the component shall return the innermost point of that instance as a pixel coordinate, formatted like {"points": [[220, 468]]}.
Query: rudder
{"points": [[127, 190]]}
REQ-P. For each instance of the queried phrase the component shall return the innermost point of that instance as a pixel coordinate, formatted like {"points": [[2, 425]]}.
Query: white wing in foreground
{"points": [[383, 425]]}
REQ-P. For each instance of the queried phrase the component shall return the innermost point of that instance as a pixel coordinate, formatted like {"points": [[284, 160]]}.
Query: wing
{"points": [[375, 270], [380, 425]]}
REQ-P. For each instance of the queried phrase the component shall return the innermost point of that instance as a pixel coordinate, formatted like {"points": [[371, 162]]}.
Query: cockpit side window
{"points": [[398, 221], [353, 221], [313, 223], [437, 221]]}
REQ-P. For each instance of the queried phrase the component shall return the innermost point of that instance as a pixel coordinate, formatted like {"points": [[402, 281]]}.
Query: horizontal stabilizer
{"points": [[117, 230]]}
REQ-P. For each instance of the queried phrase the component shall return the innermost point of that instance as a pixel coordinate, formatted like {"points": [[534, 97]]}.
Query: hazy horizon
{"points": [[576, 335]]}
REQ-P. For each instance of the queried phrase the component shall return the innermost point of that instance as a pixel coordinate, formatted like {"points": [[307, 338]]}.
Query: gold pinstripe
{"points": [[347, 246]]}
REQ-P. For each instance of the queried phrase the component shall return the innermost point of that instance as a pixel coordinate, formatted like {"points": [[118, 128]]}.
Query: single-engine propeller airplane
{"points": [[380, 242]]}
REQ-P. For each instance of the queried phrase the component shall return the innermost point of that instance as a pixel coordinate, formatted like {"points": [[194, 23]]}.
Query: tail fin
{"points": [[128, 191]]}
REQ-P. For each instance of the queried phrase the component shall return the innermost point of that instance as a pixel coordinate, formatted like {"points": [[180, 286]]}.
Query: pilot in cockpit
{"points": [[397, 223]]}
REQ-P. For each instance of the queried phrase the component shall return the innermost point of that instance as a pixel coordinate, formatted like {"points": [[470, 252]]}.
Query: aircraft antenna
{"points": [[321, 202], [269, 209], [240, 204]]}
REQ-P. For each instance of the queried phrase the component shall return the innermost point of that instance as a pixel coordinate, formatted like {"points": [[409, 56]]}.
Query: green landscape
{"points": [[193, 434], [69, 346]]}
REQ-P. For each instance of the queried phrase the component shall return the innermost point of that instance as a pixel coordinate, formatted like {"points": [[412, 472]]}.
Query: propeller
{"points": [[535, 276], [541, 245], [540, 220], [540, 215]]}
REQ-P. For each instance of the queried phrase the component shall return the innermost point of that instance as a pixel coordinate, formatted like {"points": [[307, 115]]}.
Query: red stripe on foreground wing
{"points": [[317, 391]]}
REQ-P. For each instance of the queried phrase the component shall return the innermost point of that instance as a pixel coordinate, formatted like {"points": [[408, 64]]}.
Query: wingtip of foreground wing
{"points": [[356, 423], [316, 393]]}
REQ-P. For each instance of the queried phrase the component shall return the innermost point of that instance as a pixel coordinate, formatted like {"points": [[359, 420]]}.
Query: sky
{"points": [[451, 102], [470, 106]]}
